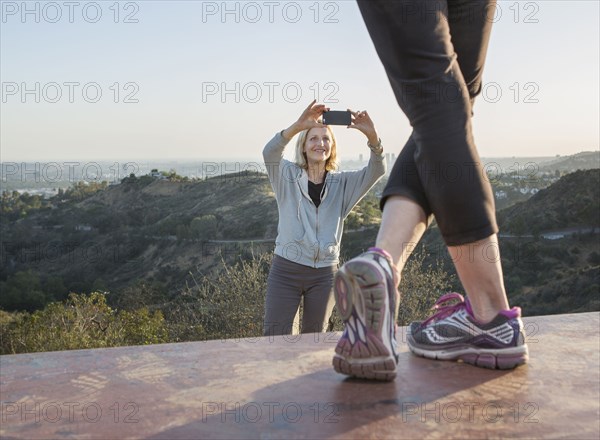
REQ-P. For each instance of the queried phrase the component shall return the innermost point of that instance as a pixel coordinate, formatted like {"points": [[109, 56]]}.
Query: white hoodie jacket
{"points": [[306, 234]]}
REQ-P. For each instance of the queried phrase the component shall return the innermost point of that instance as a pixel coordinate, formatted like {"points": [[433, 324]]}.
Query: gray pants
{"points": [[288, 282]]}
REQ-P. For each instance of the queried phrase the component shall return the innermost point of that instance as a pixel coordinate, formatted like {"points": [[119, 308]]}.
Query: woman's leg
{"points": [[284, 289], [414, 44], [318, 299], [407, 213], [451, 175], [403, 223], [477, 264], [413, 41]]}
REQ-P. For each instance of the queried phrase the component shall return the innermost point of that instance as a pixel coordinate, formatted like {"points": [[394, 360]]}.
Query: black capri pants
{"points": [[433, 52]]}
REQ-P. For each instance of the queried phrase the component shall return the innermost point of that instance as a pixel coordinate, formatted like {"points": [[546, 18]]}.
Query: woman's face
{"points": [[318, 145]]}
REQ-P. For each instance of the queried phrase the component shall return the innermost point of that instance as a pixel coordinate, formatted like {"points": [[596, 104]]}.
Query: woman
{"points": [[313, 199]]}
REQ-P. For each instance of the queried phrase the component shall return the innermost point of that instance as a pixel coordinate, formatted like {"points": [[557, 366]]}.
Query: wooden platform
{"points": [[286, 388]]}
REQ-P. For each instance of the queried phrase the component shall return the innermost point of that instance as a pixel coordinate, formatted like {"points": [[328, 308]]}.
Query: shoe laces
{"points": [[445, 308]]}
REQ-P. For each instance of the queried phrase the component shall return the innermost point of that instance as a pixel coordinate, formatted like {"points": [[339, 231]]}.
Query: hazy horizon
{"points": [[52, 172], [248, 159]]}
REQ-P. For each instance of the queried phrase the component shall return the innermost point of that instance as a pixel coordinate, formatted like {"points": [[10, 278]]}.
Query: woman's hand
{"points": [[362, 122], [307, 120]]}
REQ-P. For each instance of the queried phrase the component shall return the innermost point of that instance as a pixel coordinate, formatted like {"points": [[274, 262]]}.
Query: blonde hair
{"points": [[330, 164]]}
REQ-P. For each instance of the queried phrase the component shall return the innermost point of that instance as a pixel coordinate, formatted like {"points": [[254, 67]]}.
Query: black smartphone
{"points": [[337, 117]]}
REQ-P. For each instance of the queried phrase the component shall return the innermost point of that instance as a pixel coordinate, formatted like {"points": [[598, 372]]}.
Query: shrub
{"points": [[229, 304], [420, 287], [83, 321]]}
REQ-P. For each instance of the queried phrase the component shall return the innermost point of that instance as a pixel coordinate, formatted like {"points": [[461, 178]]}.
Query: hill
{"points": [[571, 202], [546, 276], [145, 233], [153, 235], [585, 160], [143, 229]]}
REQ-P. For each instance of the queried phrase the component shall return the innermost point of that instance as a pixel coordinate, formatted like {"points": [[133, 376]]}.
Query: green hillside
{"points": [[174, 259], [571, 202], [144, 229], [144, 239]]}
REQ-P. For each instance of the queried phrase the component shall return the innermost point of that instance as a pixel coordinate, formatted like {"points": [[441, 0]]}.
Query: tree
{"points": [[22, 291], [204, 227]]}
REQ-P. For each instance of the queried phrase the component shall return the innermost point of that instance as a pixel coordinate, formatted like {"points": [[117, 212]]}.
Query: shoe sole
{"points": [[360, 294], [495, 359]]}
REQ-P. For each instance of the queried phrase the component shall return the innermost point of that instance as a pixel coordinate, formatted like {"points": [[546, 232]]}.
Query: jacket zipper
{"points": [[317, 227], [317, 235]]}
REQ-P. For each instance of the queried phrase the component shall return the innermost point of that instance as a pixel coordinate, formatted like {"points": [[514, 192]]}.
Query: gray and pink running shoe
{"points": [[367, 300], [453, 333]]}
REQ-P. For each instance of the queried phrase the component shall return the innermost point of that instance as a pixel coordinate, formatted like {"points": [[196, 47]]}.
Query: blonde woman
{"points": [[313, 199]]}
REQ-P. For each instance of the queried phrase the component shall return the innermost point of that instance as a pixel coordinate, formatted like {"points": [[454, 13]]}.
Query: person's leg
{"points": [[414, 44], [470, 25], [480, 271], [365, 287], [421, 64], [318, 299], [407, 213], [283, 297], [477, 264], [403, 223]]}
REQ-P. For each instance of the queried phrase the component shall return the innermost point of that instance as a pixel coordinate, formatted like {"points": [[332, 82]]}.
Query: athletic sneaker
{"points": [[367, 300], [453, 333]]}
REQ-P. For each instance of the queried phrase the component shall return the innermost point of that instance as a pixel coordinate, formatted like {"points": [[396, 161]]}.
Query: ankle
{"points": [[486, 314]]}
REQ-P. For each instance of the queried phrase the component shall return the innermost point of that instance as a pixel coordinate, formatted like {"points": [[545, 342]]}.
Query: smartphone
{"points": [[336, 117]]}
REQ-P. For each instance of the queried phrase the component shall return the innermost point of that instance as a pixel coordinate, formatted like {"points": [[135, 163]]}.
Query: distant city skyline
{"points": [[113, 171], [191, 80]]}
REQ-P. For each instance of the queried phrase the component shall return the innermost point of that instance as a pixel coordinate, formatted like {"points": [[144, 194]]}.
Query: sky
{"points": [[196, 80]]}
